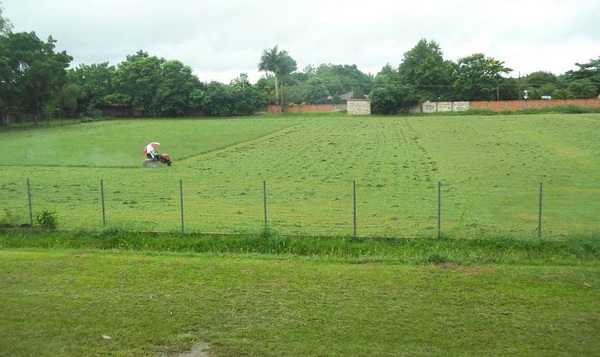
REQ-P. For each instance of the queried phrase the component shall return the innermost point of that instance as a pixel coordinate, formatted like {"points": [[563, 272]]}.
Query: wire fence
{"points": [[311, 209]]}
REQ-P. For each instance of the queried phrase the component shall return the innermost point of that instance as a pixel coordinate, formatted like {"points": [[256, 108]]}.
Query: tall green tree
{"points": [[173, 95], [216, 99], [581, 88], [509, 89], [590, 71], [279, 63], [290, 95], [95, 83], [5, 24], [315, 91], [540, 83], [154, 86], [478, 77], [32, 73], [136, 81], [66, 100], [247, 98], [342, 79], [389, 94], [424, 68]]}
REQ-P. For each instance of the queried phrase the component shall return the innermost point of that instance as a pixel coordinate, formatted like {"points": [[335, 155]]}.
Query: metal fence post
{"points": [[102, 199], [30, 207], [265, 203], [439, 209], [354, 205], [181, 203], [540, 212]]}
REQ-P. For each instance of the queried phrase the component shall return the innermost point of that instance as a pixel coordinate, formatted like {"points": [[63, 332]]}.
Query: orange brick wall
{"points": [[479, 105], [303, 108], [497, 106], [513, 105], [273, 109]]}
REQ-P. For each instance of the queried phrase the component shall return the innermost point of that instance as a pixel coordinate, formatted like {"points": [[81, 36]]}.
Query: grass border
{"points": [[498, 250]]}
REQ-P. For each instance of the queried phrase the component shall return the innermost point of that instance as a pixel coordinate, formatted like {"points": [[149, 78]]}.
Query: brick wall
{"points": [[507, 105], [303, 108], [363, 106], [513, 105]]}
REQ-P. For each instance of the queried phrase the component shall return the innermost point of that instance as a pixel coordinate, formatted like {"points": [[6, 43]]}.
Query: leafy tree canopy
{"points": [[590, 70], [540, 78], [32, 73], [389, 94], [478, 77], [342, 79], [316, 91], [424, 68], [5, 24]]}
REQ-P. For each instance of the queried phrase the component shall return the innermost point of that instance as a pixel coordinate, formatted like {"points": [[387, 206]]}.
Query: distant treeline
{"points": [[38, 83]]}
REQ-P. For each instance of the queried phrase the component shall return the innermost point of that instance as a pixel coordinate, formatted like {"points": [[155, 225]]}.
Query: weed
{"points": [[47, 219], [108, 231]]}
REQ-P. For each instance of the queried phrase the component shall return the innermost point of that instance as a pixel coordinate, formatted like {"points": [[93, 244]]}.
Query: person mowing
{"points": [[149, 150]]}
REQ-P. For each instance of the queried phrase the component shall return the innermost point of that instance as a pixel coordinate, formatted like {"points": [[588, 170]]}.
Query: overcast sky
{"points": [[219, 39]]}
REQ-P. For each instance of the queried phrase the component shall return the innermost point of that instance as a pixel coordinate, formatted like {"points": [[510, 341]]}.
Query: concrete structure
{"points": [[359, 107]]}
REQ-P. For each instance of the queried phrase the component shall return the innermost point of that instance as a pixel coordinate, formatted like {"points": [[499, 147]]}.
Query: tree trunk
{"points": [[277, 91]]}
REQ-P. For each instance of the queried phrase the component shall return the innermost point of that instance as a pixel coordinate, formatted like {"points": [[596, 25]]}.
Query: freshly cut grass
{"points": [[119, 143], [86, 302], [490, 169]]}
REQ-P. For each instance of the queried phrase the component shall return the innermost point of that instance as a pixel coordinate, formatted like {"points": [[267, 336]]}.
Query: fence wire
{"points": [[311, 209]]}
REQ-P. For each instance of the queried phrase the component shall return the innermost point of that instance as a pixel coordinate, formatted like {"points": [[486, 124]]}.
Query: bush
{"points": [[47, 219]]}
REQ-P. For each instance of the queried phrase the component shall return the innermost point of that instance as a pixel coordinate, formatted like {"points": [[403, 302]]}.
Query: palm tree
{"points": [[277, 62]]}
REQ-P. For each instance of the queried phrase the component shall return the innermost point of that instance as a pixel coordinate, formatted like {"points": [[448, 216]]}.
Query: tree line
{"points": [[37, 83]]}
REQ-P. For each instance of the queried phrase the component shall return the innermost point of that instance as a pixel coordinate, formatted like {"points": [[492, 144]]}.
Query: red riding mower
{"points": [[157, 159]]}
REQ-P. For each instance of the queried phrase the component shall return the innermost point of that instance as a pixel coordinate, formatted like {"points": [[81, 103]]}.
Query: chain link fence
{"points": [[317, 209]]}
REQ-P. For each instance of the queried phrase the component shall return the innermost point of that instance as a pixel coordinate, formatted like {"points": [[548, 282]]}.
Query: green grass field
{"points": [[62, 302], [305, 287], [490, 168]]}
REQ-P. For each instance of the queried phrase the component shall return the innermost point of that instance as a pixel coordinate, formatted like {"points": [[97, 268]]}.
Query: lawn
{"points": [[304, 287], [82, 302], [489, 169]]}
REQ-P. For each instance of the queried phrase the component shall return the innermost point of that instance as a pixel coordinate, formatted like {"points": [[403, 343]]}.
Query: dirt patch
{"points": [[199, 349]]}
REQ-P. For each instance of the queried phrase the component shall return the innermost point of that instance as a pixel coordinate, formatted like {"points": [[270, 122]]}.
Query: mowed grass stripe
{"points": [[119, 143]]}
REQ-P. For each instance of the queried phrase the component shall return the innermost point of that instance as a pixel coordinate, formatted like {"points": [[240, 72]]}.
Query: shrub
{"points": [[47, 219]]}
